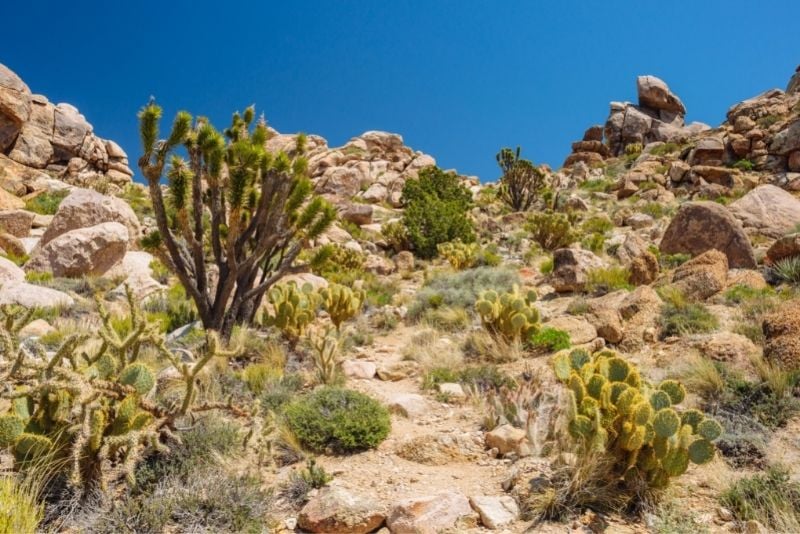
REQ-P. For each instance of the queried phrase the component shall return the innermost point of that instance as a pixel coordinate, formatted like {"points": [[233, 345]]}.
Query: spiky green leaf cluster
{"points": [[613, 410], [509, 316]]}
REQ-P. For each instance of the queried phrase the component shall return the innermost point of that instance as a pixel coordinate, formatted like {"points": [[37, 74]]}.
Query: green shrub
{"points": [[665, 148], [744, 165], [172, 308], [337, 420], [46, 203], [302, 481], [547, 266], [670, 261], [742, 292], [396, 235], [551, 230], [594, 242], [475, 377], [608, 279], [770, 498], [461, 289], [680, 317], [599, 185], [656, 210], [597, 225], [767, 120], [550, 339], [436, 207]]}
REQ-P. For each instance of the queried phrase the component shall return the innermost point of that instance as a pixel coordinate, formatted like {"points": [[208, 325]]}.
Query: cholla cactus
{"points": [[510, 317], [612, 409], [342, 303], [460, 255], [326, 347], [293, 309], [87, 405]]}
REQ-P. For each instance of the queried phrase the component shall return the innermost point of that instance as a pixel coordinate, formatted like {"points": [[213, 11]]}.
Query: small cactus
{"points": [[342, 303], [613, 410], [293, 309], [510, 317], [459, 255]]}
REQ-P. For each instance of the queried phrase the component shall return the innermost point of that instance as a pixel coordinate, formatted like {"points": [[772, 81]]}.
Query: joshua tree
{"points": [[235, 216], [522, 181]]}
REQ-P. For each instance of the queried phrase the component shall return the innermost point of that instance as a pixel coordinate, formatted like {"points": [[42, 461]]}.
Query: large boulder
{"points": [[767, 209], [85, 251], [137, 274], [10, 272], [654, 93], [15, 106], [334, 509], [702, 226], [16, 222], [429, 514], [785, 247], [85, 207]]}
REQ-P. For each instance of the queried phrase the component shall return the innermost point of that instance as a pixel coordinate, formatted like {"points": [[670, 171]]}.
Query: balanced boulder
{"points": [[92, 251]]}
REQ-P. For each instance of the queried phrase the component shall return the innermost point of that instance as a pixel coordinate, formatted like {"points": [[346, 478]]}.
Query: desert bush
{"points": [[594, 242], [635, 425], [744, 165], [680, 317], [522, 182], [608, 279], [302, 481], [509, 316], [547, 266], [460, 290], [656, 210], [447, 318], [476, 378], [599, 224], [671, 517], [599, 185], [551, 230], [665, 148], [396, 235], [46, 203], [171, 308], [436, 207], [337, 420], [670, 261], [337, 263], [550, 339], [771, 498]]}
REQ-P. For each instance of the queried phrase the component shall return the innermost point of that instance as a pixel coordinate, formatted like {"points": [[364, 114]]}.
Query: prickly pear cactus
{"points": [[510, 316], [293, 309], [612, 409], [342, 303], [459, 255]]}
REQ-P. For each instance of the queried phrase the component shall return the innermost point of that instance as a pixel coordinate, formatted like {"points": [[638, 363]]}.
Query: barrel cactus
{"points": [[511, 316], [342, 303], [612, 409]]}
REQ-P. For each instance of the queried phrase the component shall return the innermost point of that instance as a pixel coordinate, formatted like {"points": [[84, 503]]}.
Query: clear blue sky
{"points": [[458, 78]]}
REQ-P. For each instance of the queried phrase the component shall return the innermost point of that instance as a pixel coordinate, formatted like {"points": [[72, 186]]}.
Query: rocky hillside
{"points": [[622, 357]]}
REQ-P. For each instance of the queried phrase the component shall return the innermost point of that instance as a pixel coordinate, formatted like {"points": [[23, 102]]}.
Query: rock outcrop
{"points": [[55, 138], [93, 251], [768, 210]]}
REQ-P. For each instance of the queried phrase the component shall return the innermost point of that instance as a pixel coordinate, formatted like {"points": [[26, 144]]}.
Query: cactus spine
{"points": [[613, 410]]}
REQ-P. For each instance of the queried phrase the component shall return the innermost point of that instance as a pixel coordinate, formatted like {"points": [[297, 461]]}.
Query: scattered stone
{"points": [[429, 514], [782, 336], [702, 226], [36, 328], [579, 329], [358, 369], [16, 222], [508, 439], [452, 391], [397, 371], [334, 509], [785, 247], [644, 269], [404, 261], [409, 405], [495, 512]]}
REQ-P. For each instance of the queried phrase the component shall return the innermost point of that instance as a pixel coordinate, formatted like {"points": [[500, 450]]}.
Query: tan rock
{"points": [[9, 201], [12, 245], [336, 510], [702, 226], [16, 222], [36, 328], [33, 296], [404, 261], [93, 250], [429, 514], [571, 268], [83, 208], [767, 209], [782, 336], [703, 276], [359, 369], [579, 329], [508, 439], [495, 512], [409, 405]]}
